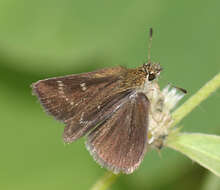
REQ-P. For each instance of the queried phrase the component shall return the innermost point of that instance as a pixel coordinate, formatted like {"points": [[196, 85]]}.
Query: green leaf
{"points": [[202, 148], [211, 181]]}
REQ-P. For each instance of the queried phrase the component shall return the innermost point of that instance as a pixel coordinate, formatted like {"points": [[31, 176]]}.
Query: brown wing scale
{"points": [[119, 143]]}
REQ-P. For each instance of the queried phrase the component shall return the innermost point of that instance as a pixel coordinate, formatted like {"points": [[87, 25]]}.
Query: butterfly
{"points": [[110, 107]]}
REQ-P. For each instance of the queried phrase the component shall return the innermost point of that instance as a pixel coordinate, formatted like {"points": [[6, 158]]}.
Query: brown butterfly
{"points": [[110, 106]]}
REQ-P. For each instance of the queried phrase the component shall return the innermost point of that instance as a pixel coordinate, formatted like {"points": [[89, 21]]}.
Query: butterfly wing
{"points": [[92, 114], [119, 143], [62, 97], [77, 99]]}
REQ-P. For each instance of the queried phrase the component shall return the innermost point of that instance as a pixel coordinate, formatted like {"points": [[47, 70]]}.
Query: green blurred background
{"points": [[46, 38]]}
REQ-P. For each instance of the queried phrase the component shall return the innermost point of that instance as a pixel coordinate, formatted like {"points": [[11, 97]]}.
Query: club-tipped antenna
{"points": [[150, 45]]}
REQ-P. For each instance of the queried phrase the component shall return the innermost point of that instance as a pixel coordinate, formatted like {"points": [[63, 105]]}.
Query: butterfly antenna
{"points": [[150, 45], [184, 91]]}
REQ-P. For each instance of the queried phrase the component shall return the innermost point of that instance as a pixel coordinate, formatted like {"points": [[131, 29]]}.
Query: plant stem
{"points": [[178, 115], [106, 181], [196, 99]]}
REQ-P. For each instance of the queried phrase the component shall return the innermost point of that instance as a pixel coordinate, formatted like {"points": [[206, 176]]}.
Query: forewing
{"points": [[119, 143], [93, 114], [82, 101], [63, 97]]}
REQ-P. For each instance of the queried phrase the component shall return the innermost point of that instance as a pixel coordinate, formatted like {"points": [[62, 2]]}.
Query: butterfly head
{"points": [[152, 70]]}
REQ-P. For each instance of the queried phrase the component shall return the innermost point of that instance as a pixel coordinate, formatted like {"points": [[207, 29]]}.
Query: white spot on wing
{"points": [[83, 86]]}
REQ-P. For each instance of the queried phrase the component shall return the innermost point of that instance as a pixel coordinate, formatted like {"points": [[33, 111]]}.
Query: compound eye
{"points": [[151, 77]]}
